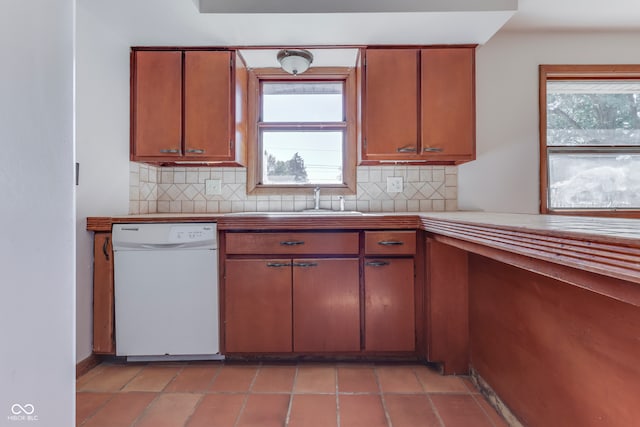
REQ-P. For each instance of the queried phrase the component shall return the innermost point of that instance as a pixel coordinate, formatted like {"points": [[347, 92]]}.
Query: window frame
{"points": [[347, 76], [577, 72]]}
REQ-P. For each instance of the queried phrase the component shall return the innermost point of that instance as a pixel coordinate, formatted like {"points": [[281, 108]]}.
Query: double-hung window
{"points": [[590, 140], [302, 131]]}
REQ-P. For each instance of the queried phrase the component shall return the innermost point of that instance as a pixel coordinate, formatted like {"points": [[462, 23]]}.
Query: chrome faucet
{"points": [[316, 198]]}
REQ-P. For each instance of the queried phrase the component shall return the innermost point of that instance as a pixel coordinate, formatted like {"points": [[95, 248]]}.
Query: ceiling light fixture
{"points": [[295, 61]]}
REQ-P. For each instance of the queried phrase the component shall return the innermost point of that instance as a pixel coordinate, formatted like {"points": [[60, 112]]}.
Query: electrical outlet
{"points": [[394, 184], [212, 187]]}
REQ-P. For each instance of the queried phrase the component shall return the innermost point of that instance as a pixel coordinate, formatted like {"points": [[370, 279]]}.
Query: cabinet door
{"points": [[103, 312], [326, 305], [157, 105], [448, 104], [208, 119], [258, 306], [389, 305], [391, 101]]}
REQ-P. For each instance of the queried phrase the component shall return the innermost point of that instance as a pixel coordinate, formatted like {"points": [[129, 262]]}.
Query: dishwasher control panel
{"points": [[144, 236], [190, 233]]}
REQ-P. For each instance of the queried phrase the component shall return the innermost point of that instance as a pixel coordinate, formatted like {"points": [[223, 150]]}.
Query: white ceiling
{"points": [[576, 15], [178, 22]]}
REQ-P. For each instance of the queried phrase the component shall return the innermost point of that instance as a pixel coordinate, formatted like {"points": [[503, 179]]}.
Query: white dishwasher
{"points": [[166, 291]]}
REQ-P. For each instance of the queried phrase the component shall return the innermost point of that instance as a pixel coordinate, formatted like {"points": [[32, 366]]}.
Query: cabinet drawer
{"points": [[292, 243], [390, 242]]}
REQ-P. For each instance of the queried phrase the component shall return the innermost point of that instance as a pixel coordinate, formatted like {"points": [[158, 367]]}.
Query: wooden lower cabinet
{"points": [[285, 305], [258, 304], [326, 305], [389, 319], [319, 293]]}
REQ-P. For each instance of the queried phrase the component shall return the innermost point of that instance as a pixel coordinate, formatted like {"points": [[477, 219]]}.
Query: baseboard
{"points": [[494, 399], [86, 365]]}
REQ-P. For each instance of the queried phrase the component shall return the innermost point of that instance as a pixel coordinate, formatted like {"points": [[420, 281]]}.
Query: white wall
{"points": [[102, 148], [37, 233], [505, 176]]}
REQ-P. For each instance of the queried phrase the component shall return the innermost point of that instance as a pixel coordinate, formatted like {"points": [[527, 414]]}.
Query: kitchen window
{"points": [[302, 131], [590, 140]]}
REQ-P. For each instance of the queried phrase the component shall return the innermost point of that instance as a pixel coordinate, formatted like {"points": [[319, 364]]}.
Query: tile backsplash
{"points": [[182, 190]]}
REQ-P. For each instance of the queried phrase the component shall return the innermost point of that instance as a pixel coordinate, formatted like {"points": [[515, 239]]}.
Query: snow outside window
{"points": [[593, 144]]}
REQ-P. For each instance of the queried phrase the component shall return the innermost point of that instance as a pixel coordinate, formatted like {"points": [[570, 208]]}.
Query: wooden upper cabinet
{"points": [[391, 104], [448, 104], [419, 105], [184, 107], [157, 105], [208, 120]]}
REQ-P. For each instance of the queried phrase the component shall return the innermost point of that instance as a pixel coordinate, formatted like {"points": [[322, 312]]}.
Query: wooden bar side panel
{"points": [[447, 309], [103, 297], [556, 354]]}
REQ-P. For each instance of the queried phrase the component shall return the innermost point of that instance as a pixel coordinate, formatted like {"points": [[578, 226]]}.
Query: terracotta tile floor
{"points": [[263, 395]]}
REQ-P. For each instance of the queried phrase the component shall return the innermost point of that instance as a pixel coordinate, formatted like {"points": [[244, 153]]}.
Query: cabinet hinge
{"points": [[364, 142], [231, 62]]}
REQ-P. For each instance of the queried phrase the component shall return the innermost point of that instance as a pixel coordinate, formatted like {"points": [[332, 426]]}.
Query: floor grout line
{"points": [[337, 394], [98, 408], [435, 411], [479, 396], [384, 404], [293, 385], [193, 411]]}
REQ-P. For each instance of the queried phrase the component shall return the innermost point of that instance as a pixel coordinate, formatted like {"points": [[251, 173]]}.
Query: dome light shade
{"points": [[295, 61]]}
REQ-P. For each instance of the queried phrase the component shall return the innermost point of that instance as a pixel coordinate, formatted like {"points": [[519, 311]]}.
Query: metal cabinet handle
{"points": [[105, 249], [406, 149], [195, 151], [377, 263], [390, 243], [305, 264], [292, 243], [169, 151], [432, 149], [278, 264]]}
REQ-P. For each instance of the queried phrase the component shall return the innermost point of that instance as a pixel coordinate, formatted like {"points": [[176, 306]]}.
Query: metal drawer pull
{"points": [[390, 243], [292, 243], [105, 248], [406, 149], [195, 151], [305, 264], [432, 149], [278, 264], [169, 151], [377, 263]]}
